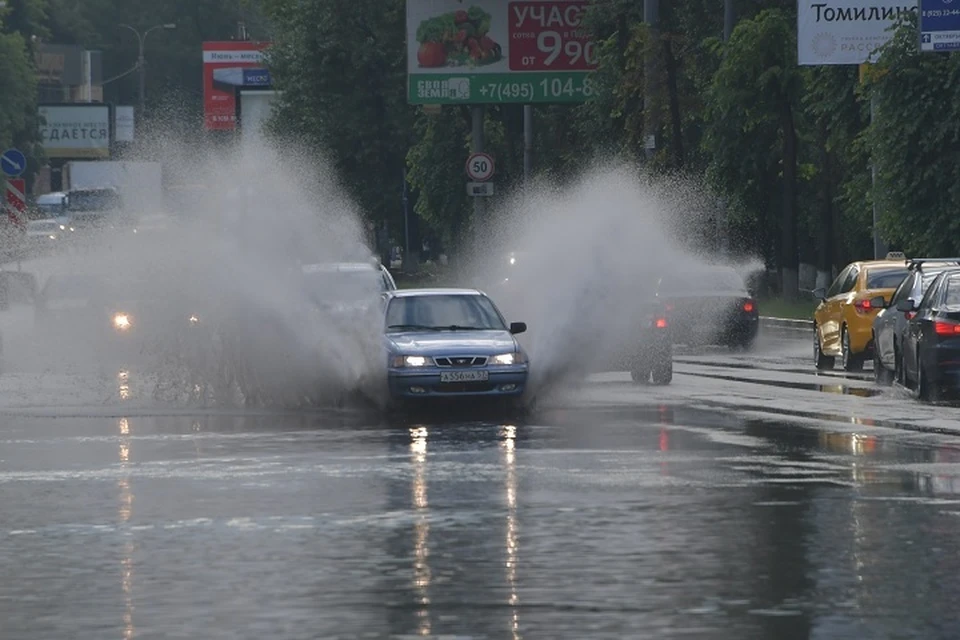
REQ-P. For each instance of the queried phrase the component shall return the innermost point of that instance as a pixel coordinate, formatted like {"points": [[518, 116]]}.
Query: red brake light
{"points": [[909, 315], [946, 328], [661, 323], [749, 306], [862, 305]]}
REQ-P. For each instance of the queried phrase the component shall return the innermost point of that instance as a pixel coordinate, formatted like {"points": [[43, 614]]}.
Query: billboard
{"points": [[491, 51], [939, 25], [222, 61], [123, 127], [75, 131], [845, 31]]}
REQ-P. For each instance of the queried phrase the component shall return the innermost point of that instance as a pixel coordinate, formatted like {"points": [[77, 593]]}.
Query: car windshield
{"points": [[333, 285], [442, 311], [702, 280], [952, 299], [885, 278], [94, 200]]}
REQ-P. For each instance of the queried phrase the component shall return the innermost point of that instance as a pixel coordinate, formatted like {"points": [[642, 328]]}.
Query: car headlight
{"points": [[194, 319], [121, 321], [410, 361], [508, 358]]}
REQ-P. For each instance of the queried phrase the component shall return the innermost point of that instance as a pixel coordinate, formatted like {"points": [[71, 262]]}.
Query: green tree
{"points": [[913, 142], [342, 68], [18, 99], [753, 100]]}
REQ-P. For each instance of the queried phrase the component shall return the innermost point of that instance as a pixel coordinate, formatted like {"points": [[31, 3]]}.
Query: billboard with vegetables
{"points": [[496, 51]]}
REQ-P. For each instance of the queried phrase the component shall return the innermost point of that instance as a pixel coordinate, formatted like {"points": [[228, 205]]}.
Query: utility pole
{"points": [[527, 143], [479, 202], [729, 18], [141, 60], [651, 115]]}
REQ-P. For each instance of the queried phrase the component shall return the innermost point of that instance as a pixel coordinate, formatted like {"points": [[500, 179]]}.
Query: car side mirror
{"points": [[878, 302], [518, 327], [907, 305], [820, 293]]}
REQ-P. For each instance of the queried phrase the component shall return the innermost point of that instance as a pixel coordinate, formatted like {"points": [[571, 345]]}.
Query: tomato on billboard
{"points": [[219, 102]]}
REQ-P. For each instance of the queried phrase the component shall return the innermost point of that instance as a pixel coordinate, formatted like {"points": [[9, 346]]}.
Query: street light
{"points": [[141, 62]]}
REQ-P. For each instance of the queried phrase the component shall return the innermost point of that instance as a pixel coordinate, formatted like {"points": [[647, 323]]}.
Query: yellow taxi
{"points": [[843, 321]]}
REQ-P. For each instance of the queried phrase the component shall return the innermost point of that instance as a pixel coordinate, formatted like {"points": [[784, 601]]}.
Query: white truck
{"points": [[139, 185]]}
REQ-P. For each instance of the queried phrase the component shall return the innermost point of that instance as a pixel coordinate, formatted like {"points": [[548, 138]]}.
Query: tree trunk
{"points": [[790, 285], [825, 250], [674, 97]]}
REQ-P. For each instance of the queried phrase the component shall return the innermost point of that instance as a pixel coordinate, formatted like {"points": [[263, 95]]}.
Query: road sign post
{"points": [[13, 163]]}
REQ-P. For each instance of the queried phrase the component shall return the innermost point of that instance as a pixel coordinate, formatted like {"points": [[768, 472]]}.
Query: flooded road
{"points": [[625, 513]]}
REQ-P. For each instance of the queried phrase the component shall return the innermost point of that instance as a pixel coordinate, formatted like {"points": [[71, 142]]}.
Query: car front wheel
{"points": [[881, 375], [821, 361]]}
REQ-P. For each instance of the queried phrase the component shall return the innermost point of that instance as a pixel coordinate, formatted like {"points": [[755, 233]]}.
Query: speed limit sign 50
{"points": [[479, 167]]}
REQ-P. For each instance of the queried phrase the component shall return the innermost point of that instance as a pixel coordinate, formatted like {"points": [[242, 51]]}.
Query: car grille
{"points": [[461, 361], [464, 387]]}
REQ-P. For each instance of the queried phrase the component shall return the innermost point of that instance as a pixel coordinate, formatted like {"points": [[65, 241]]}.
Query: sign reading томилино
{"points": [[833, 32]]}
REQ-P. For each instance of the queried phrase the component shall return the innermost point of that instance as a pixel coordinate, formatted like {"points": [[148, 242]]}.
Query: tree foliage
{"points": [[790, 149]]}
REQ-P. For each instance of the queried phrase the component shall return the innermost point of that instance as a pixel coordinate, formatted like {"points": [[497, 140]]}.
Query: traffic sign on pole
{"points": [[15, 200], [13, 163], [480, 167], [939, 23]]}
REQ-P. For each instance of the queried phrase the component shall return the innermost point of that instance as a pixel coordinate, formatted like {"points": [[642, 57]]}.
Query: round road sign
{"points": [[479, 167]]}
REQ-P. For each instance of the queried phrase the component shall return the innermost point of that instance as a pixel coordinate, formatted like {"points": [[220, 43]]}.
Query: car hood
{"points": [[430, 343]]}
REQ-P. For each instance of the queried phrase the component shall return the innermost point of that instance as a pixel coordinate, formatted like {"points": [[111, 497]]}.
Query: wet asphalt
{"points": [[749, 499]]}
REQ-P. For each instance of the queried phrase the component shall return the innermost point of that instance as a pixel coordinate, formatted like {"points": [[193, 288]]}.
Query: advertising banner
{"points": [[222, 61], [123, 127], [845, 31], [491, 51], [75, 131], [939, 25]]}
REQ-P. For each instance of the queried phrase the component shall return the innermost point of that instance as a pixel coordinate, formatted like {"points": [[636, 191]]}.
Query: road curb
{"points": [[781, 325]]}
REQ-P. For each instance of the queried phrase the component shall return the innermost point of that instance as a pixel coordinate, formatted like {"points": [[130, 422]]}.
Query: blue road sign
{"points": [[939, 25], [13, 163]]}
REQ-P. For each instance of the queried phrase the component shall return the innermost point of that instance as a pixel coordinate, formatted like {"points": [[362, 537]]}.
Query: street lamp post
{"points": [[141, 61]]}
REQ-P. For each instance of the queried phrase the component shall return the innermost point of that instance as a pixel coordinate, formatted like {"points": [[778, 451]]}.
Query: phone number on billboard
{"points": [[573, 89]]}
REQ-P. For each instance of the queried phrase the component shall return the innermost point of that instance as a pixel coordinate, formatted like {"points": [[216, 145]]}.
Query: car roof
{"points": [[342, 267], [436, 291]]}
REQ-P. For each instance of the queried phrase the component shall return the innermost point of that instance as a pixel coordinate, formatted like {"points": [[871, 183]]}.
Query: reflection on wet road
{"points": [[650, 521]]}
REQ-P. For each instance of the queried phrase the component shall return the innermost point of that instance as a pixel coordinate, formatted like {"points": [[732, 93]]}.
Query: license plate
{"points": [[464, 376]]}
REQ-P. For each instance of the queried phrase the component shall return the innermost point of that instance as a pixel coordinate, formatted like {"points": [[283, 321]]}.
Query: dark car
{"points": [[890, 323], [653, 359], [930, 357], [709, 306]]}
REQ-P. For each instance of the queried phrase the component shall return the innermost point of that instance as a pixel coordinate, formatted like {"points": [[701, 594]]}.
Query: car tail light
{"points": [[862, 306], [946, 328], [909, 315], [749, 306], [660, 323]]}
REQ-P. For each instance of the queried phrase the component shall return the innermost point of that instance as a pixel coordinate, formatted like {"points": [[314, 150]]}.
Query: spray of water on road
{"points": [[580, 263], [220, 311], [211, 299]]}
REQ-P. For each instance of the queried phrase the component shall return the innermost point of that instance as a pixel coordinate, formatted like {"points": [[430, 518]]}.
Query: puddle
{"points": [[807, 386]]}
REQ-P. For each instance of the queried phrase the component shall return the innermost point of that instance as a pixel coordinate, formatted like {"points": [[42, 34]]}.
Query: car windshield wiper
{"points": [[458, 327], [412, 327]]}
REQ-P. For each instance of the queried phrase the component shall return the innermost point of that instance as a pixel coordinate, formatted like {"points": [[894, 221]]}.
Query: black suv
{"points": [[890, 323]]}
